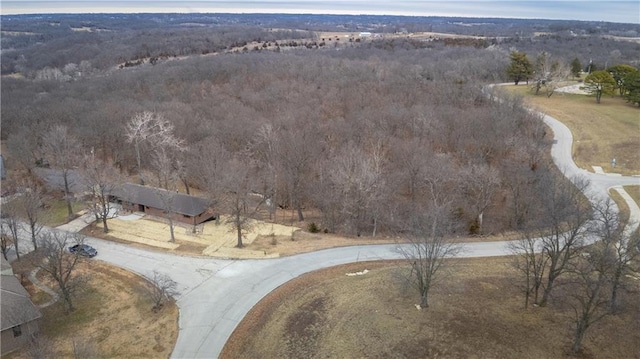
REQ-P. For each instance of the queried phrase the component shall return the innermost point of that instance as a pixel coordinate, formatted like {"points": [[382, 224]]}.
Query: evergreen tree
{"points": [[632, 86], [598, 83], [576, 67], [520, 68]]}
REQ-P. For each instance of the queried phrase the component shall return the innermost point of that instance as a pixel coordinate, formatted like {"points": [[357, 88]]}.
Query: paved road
{"points": [[216, 294]]}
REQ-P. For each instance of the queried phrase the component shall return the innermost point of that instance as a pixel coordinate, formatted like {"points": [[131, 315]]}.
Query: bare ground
{"points": [[476, 313]]}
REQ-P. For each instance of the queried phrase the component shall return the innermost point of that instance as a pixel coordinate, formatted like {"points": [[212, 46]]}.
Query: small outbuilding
{"points": [[157, 201]]}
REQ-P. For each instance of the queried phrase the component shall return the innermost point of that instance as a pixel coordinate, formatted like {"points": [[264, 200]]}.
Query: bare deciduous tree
{"points": [[531, 263], [411, 157], [148, 128], [565, 212], [428, 232], [61, 265], [480, 184], [160, 289], [265, 149], [63, 152], [11, 225], [617, 247], [101, 180], [167, 175], [33, 208], [358, 179], [597, 275], [41, 347], [209, 168], [548, 73], [5, 241], [297, 146], [23, 146], [237, 186], [589, 292]]}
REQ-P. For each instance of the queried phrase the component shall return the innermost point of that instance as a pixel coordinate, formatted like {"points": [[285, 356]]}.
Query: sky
{"points": [[624, 11]]}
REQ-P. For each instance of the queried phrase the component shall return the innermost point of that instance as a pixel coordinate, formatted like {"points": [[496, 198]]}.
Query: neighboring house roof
{"points": [[153, 197], [16, 307], [54, 179]]}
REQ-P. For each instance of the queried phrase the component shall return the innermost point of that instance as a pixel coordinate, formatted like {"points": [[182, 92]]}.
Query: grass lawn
{"points": [[113, 315], [601, 132], [57, 211], [634, 192], [476, 313]]}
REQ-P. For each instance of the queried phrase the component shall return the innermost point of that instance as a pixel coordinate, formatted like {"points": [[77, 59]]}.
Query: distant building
{"points": [[19, 317], [184, 208], [3, 171], [365, 34]]}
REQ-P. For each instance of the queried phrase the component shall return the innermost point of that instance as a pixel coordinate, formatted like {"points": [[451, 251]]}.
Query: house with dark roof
{"points": [[54, 180], [19, 317], [157, 201]]}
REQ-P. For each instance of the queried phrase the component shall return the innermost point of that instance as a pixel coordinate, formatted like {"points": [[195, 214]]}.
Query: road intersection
{"points": [[220, 293], [216, 294]]}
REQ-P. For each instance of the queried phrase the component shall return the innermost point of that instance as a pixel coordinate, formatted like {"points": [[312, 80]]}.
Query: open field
{"points": [[601, 132], [476, 313], [113, 315]]}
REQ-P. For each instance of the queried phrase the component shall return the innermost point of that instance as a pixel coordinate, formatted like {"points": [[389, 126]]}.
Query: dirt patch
{"points": [[475, 313], [114, 316], [303, 329]]}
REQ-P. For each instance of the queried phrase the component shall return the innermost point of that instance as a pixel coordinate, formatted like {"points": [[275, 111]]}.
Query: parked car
{"points": [[83, 250]]}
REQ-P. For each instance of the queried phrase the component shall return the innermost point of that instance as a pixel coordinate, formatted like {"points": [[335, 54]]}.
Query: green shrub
{"points": [[313, 227]]}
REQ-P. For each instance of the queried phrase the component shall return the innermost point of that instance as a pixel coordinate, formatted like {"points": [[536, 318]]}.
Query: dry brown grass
{"points": [[601, 132], [113, 314], [477, 313], [634, 192]]}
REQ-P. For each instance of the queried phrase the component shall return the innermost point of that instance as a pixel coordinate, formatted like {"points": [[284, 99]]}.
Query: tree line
{"points": [[83, 44], [353, 138], [548, 74]]}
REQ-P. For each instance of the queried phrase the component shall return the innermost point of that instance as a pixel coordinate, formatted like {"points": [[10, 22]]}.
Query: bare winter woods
{"points": [[357, 139]]}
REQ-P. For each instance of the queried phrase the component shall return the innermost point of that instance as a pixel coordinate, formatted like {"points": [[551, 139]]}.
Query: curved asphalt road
{"points": [[216, 294]]}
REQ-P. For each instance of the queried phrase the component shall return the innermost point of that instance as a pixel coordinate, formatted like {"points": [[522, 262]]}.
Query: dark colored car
{"points": [[83, 250]]}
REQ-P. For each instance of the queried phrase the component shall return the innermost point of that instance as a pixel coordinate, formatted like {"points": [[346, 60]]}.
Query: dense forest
{"points": [[362, 135]]}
